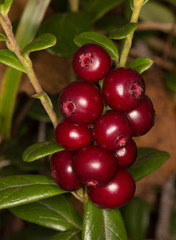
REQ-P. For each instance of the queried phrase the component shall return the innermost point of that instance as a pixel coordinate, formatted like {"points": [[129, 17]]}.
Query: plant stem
{"points": [[74, 5], [128, 42], [26, 62]]}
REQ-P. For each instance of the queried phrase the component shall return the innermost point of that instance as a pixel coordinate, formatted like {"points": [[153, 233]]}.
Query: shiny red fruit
{"points": [[91, 62], [123, 89], [62, 172], [112, 130], [126, 155], [81, 102], [94, 165], [142, 117], [116, 193], [72, 136]]}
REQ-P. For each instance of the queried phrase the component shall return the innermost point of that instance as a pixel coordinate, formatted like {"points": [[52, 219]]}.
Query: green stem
{"points": [[26, 62], [128, 42], [74, 5]]}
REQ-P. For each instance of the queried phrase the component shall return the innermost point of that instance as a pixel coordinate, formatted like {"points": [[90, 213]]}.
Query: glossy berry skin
{"points": [[62, 172], [112, 130], [95, 166], [116, 193], [142, 117], [72, 136], [91, 62], [123, 89], [126, 155], [81, 102]]}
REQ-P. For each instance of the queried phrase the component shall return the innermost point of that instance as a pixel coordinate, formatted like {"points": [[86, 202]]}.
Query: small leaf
{"points": [[123, 31], [56, 213], [100, 39], [2, 37], [9, 58], [43, 41], [22, 189], [141, 64], [41, 149], [148, 160], [73, 234], [136, 216], [5, 5], [102, 224]]}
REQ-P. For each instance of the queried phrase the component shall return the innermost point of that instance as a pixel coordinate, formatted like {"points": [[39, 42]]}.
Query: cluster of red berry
{"points": [[99, 148]]}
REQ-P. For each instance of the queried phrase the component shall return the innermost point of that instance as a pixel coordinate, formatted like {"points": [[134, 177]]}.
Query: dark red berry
{"points": [[116, 193], [91, 62], [142, 117], [95, 166], [81, 102], [62, 172], [126, 155], [112, 130], [123, 89], [72, 136]]}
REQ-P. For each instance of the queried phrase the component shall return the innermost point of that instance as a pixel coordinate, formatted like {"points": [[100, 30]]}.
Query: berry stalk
{"points": [[128, 42], [26, 62]]}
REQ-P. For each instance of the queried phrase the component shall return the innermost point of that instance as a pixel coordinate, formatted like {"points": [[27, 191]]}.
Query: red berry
{"points": [[91, 62], [95, 166], [123, 89], [81, 102], [116, 193], [126, 156], [62, 172], [112, 130], [142, 117], [72, 136]]}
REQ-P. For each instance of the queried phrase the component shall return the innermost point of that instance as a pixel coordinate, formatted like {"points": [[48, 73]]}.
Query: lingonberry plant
{"points": [[93, 156]]}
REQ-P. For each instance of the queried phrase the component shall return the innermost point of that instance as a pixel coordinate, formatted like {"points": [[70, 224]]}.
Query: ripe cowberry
{"points": [[62, 172], [126, 155], [116, 193], [91, 62], [94, 166], [123, 89], [112, 130], [142, 117], [81, 102], [72, 136]]}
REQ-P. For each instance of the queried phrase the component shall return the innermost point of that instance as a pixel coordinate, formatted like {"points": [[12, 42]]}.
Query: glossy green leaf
{"points": [[9, 58], [141, 64], [73, 234], [123, 31], [102, 224], [148, 160], [2, 37], [5, 5], [136, 216], [41, 149], [43, 41], [100, 39], [65, 27], [170, 81], [99, 8], [56, 213], [22, 189]]}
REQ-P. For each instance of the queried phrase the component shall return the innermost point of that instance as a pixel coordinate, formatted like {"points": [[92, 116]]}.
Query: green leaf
{"points": [[141, 64], [123, 31], [100, 39], [5, 5], [56, 213], [65, 27], [9, 58], [41, 149], [148, 160], [136, 216], [22, 189], [99, 8], [2, 37], [102, 224], [43, 41], [170, 81], [73, 234]]}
